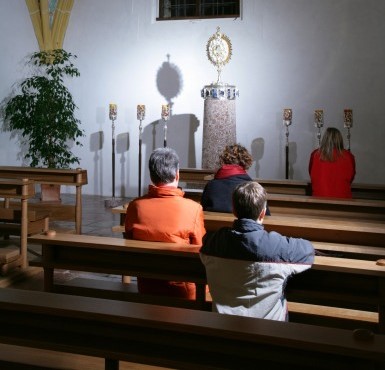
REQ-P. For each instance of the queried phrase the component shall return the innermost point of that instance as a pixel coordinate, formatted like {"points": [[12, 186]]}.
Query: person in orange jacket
{"points": [[164, 215]]}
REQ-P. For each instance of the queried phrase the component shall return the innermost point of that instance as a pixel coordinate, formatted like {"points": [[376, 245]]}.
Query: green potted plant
{"points": [[42, 111]]}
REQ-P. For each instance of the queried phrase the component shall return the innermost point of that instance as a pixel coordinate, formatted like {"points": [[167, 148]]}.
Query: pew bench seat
{"points": [[334, 282]]}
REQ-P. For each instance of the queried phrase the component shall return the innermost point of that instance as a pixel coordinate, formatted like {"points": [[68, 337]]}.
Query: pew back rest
{"points": [[176, 337]]}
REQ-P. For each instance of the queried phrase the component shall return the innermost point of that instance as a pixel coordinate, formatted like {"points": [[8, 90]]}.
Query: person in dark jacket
{"points": [[235, 160], [247, 267]]}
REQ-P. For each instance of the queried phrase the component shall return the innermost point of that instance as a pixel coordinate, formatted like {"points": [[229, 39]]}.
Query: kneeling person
{"points": [[246, 266]]}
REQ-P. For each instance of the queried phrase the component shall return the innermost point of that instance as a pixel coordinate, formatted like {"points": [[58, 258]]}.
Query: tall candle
{"points": [[319, 117], [113, 111], [165, 112], [348, 118], [140, 112]]}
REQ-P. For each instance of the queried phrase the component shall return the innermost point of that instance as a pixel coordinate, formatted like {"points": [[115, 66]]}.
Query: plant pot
{"points": [[50, 193]]}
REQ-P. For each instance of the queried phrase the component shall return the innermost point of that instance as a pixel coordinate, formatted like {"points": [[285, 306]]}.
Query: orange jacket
{"points": [[164, 215]]}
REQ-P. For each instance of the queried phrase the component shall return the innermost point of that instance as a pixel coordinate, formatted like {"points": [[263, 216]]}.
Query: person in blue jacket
{"points": [[234, 161], [247, 267]]}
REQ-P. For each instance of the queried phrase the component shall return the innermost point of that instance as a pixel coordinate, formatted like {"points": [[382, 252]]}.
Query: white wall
{"points": [[299, 54]]}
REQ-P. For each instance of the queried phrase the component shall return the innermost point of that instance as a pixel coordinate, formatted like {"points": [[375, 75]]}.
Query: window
{"points": [[198, 9]]}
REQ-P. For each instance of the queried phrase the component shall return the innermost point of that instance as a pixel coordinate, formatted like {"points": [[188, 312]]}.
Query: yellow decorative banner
{"points": [[47, 37]]}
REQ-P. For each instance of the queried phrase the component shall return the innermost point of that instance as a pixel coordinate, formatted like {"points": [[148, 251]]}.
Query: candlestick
{"points": [[165, 118], [113, 112], [141, 112], [348, 123], [113, 115], [319, 122], [287, 121]]}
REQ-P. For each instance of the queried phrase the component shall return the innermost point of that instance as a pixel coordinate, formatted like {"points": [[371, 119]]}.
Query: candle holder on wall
{"points": [[141, 113], [319, 122], [287, 121], [348, 123], [165, 118]]}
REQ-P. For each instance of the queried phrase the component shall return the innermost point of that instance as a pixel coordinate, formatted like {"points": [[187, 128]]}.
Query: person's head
{"points": [[249, 201], [331, 140], [236, 154], [164, 166]]}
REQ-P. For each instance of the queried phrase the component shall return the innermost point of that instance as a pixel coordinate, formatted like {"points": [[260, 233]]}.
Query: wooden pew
{"points": [[21, 222], [178, 338], [319, 207], [339, 231], [303, 205], [193, 179], [352, 238], [70, 177], [357, 285]]}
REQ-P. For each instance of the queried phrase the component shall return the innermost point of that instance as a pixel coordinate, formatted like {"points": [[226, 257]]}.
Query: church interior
{"points": [[194, 76]]}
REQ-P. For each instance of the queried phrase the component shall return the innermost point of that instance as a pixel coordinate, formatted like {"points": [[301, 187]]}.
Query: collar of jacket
{"points": [[228, 170], [246, 225], [164, 191]]}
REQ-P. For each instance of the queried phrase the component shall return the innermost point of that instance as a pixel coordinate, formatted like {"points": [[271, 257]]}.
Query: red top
{"points": [[332, 179]]}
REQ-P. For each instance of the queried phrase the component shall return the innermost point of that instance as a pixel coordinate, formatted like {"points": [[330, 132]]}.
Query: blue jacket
{"points": [[247, 269]]}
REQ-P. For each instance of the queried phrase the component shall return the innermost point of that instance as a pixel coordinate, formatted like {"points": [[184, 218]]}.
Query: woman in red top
{"points": [[331, 167]]}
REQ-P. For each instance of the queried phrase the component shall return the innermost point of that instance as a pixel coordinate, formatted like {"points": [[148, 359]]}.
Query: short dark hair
{"points": [[249, 200], [163, 165]]}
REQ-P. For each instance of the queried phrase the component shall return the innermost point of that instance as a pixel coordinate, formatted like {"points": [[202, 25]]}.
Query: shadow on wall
{"points": [[169, 81], [181, 130], [257, 150], [96, 146], [122, 147], [292, 158]]}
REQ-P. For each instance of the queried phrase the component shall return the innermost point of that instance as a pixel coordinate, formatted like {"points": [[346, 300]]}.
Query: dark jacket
{"points": [[217, 194], [247, 268]]}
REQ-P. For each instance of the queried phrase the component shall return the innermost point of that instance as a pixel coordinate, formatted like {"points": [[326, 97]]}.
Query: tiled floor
{"points": [[97, 219]]}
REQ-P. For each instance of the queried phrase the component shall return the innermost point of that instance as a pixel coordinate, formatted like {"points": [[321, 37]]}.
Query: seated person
{"points": [[234, 161], [331, 167], [163, 215], [246, 266]]}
